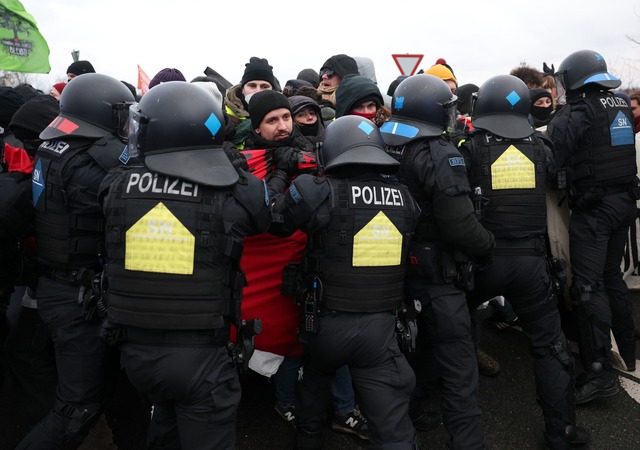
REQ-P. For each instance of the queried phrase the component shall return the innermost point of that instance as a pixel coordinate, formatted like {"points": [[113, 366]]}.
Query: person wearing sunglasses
{"points": [[331, 73]]}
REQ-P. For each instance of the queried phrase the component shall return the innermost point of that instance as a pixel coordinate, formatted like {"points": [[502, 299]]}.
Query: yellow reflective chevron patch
{"points": [[378, 243], [513, 170], [158, 242]]}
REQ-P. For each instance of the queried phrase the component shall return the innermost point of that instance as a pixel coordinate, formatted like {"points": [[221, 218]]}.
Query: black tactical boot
{"points": [[571, 437], [597, 383]]}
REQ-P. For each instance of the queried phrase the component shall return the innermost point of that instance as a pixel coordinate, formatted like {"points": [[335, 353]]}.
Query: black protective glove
{"points": [[235, 156], [286, 159]]}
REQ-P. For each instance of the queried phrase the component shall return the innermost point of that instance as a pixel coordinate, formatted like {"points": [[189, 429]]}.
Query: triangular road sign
{"points": [[408, 64]]}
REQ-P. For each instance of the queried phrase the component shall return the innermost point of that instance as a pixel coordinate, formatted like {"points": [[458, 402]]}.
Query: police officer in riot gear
{"points": [[175, 223], [80, 146], [508, 164], [359, 224], [594, 145], [447, 237]]}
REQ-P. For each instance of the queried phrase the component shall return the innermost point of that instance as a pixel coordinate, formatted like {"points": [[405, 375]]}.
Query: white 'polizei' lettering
{"points": [[149, 182], [613, 102], [58, 147], [376, 195]]}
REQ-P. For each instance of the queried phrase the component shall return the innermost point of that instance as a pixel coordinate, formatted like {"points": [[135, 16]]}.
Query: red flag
{"points": [[143, 81]]}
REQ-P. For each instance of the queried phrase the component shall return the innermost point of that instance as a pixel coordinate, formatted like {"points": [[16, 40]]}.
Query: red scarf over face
{"points": [[369, 116]]}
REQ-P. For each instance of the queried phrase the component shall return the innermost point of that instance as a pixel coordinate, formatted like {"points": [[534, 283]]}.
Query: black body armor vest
{"points": [[511, 175], [360, 256], [173, 264]]}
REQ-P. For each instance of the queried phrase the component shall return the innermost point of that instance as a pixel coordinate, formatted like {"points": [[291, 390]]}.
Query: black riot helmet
{"points": [[178, 129], [422, 106], [93, 106], [582, 68], [502, 106], [354, 140]]}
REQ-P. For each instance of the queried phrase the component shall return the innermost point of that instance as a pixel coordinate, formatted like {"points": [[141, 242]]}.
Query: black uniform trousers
{"points": [[524, 281], [82, 361], [597, 241], [444, 337], [194, 389], [367, 343]]}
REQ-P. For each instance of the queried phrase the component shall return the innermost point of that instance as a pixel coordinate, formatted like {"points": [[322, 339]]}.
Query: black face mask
{"points": [[541, 113]]}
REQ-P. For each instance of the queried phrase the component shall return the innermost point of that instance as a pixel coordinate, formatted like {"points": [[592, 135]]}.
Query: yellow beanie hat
{"points": [[441, 71]]}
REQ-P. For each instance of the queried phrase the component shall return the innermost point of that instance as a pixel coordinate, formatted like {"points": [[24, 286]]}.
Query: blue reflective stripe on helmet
{"points": [[600, 77], [399, 129]]}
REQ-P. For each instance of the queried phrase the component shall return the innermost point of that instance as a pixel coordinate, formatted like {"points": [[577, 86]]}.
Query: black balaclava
{"points": [[540, 114]]}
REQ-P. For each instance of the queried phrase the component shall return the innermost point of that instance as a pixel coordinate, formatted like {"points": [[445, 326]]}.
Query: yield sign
{"points": [[407, 63]]}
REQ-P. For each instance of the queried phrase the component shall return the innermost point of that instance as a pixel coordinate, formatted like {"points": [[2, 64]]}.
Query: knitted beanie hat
{"points": [[537, 93], [80, 67], [59, 87], [263, 102], [258, 69], [309, 75], [342, 65], [441, 71], [165, 75]]}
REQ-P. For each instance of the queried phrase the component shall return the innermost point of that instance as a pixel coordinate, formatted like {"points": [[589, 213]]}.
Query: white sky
{"points": [[478, 39]]}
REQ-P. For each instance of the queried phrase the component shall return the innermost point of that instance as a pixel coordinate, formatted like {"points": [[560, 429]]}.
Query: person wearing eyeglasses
{"points": [[331, 73]]}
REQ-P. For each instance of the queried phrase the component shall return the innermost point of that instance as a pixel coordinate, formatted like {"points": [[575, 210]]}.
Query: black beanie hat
{"points": [[464, 94], [537, 93], [263, 102], [258, 69], [342, 65], [309, 75], [80, 67]]}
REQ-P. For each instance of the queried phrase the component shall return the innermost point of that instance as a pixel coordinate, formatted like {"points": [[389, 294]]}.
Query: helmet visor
{"points": [[450, 114], [136, 128], [121, 120], [561, 89]]}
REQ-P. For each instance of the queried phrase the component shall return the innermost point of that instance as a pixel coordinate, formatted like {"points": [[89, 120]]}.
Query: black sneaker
{"points": [[597, 387], [288, 413], [351, 423], [425, 420]]}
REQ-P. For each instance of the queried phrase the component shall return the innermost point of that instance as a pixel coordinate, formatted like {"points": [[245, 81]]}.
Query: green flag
{"points": [[22, 47]]}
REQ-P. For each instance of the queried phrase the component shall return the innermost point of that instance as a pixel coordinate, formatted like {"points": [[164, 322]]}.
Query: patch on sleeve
{"points": [[295, 194], [124, 156], [458, 161]]}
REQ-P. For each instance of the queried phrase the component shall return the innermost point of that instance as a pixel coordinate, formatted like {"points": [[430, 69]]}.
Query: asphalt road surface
{"points": [[511, 417]]}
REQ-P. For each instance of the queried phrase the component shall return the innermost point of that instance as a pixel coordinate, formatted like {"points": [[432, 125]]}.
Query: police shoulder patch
{"points": [[457, 161]]}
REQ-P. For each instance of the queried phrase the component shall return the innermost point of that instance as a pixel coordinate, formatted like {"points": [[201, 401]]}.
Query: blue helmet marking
{"points": [[399, 103], [399, 129], [366, 127], [604, 76], [513, 98], [213, 124]]}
